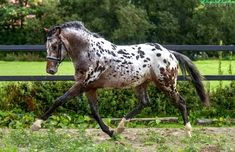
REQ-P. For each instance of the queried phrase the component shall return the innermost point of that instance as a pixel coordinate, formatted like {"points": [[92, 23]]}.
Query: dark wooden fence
{"points": [[39, 48]]}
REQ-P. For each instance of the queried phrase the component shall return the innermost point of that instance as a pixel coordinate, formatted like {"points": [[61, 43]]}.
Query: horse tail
{"points": [[187, 65]]}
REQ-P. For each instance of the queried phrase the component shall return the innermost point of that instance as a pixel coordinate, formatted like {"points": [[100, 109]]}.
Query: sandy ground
{"points": [[137, 137], [205, 139]]}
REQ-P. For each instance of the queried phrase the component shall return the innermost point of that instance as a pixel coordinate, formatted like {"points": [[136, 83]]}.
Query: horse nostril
{"points": [[51, 71]]}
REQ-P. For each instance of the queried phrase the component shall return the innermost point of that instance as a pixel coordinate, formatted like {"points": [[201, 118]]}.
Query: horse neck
{"points": [[78, 43]]}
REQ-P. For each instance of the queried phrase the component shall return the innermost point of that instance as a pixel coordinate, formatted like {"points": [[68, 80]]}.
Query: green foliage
{"points": [[133, 25], [22, 56], [14, 23], [52, 140], [36, 97], [222, 98], [16, 119], [123, 22]]}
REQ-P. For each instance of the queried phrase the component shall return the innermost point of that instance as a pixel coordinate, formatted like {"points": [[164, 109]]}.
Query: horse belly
{"points": [[125, 79]]}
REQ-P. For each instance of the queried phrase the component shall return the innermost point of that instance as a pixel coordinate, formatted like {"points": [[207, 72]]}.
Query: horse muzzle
{"points": [[51, 67]]}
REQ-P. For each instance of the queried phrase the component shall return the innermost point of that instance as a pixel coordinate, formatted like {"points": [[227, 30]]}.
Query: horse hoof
{"points": [[111, 134], [35, 128], [189, 133], [36, 125], [188, 128], [119, 130]]}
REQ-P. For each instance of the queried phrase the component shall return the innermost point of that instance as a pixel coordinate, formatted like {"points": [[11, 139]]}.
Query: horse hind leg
{"points": [[170, 90], [180, 103], [142, 95]]}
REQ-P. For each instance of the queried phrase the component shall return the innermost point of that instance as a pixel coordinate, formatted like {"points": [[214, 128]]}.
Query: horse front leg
{"points": [[75, 90], [92, 99]]}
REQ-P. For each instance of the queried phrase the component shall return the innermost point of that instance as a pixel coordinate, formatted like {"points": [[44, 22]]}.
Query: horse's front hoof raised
{"points": [[36, 125]]}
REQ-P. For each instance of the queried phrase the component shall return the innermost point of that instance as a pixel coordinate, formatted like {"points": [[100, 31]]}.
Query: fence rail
{"points": [[71, 78], [40, 48]]}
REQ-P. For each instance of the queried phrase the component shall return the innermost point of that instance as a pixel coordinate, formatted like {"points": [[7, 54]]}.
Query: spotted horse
{"points": [[99, 63]]}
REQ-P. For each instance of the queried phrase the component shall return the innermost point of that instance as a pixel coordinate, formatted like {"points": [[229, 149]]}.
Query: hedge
{"points": [[36, 97]]}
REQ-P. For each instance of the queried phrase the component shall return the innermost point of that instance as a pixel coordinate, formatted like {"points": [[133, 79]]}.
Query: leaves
{"points": [[121, 21], [133, 25]]}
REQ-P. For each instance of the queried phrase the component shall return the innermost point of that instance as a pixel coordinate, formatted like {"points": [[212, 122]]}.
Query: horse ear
{"points": [[58, 30], [46, 30]]}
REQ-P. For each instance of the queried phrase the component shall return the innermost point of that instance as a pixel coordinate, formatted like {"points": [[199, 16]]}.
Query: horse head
{"points": [[56, 49]]}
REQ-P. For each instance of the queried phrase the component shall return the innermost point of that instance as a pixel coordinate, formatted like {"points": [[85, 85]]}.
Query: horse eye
{"points": [[53, 47]]}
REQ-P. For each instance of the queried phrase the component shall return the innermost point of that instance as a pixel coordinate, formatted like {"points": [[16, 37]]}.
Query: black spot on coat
{"points": [[113, 54], [98, 54], [113, 46], [141, 53], [118, 60], [158, 54], [164, 61], [137, 57], [122, 52]]}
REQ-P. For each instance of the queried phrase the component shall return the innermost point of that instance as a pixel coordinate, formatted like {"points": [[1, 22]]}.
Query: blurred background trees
{"points": [[121, 21]]}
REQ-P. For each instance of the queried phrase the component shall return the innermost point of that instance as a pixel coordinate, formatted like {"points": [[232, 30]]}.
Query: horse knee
{"points": [[145, 101]]}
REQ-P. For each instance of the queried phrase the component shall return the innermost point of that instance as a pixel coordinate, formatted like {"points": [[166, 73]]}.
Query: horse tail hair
{"points": [[187, 65]]}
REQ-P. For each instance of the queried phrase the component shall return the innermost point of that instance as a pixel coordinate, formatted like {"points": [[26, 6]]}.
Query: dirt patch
{"points": [[156, 139], [204, 139]]}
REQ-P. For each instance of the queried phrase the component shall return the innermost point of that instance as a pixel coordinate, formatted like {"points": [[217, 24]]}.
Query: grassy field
{"points": [[32, 68], [206, 67], [38, 68], [132, 140]]}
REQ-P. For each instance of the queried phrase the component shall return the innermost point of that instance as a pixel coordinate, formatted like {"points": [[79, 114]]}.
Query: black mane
{"points": [[72, 24]]}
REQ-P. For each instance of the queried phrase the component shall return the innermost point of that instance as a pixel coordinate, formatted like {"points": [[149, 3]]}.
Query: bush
{"points": [[36, 97], [223, 101]]}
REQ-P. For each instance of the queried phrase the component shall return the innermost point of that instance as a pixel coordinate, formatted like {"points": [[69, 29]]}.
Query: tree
{"points": [[133, 25], [13, 18]]}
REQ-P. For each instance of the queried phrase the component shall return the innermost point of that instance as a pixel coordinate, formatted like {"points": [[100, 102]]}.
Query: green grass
{"points": [[211, 67], [54, 141], [152, 139], [32, 68], [206, 67], [38, 68]]}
